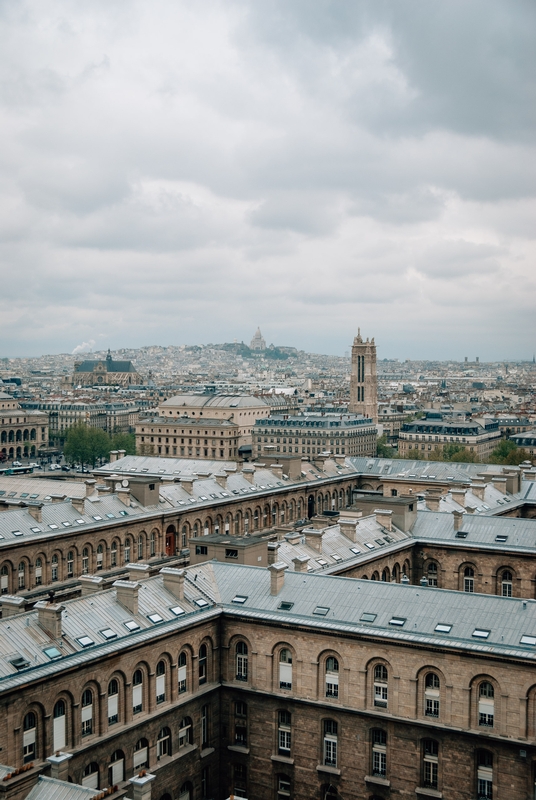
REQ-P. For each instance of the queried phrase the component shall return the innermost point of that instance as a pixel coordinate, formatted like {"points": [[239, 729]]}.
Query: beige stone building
{"points": [[363, 379], [427, 435], [188, 437], [23, 433], [105, 372], [313, 434]]}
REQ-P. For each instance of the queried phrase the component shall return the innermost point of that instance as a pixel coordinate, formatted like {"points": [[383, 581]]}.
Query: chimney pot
{"points": [[300, 563], [11, 605], [36, 511], [49, 617], [277, 577], [127, 595], [91, 584], [174, 581]]}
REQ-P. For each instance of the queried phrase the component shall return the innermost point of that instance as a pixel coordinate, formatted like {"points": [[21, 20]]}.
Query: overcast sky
{"points": [[180, 172]]}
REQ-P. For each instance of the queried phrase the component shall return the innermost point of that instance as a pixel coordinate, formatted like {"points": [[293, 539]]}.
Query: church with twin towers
{"points": [[363, 379]]}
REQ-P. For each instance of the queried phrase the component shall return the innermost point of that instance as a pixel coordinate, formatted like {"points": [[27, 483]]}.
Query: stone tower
{"points": [[363, 379]]}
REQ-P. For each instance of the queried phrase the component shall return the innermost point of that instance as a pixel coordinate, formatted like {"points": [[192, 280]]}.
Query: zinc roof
{"points": [[215, 401], [52, 789], [481, 530], [39, 489]]}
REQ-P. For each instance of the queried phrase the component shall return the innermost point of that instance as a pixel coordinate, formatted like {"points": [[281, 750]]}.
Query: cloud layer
{"points": [[177, 173]]}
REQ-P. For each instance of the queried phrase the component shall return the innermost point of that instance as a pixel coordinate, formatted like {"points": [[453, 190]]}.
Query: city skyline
{"points": [[172, 172]]}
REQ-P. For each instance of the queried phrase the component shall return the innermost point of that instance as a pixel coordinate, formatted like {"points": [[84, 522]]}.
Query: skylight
{"points": [[80, 521], [110, 516], [131, 625], [239, 599], [366, 617], [66, 524], [399, 621], [108, 633], [481, 633], [177, 610], [335, 556], [528, 640], [201, 602], [322, 562], [52, 652], [155, 618], [285, 605], [35, 530], [85, 641], [19, 533], [369, 545], [96, 517], [461, 534], [443, 628], [321, 611], [501, 538], [355, 550]]}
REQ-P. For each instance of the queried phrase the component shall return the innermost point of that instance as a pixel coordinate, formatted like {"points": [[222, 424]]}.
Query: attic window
{"points": [[155, 618], [336, 556], [177, 610], [399, 621], [285, 605], [231, 553], [34, 496], [239, 599], [123, 513], [24, 494], [19, 662], [35, 530], [53, 526], [110, 516], [201, 602], [131, 625], [355, 550], [19, 533], [380, 542], [52, 652], [369, 545], [366, 617], [528, 640], [443, 628], [108, 633], [322, 562], [501, 538], [66, 524], [481, 633], [321, 611], [461, 534], [96, 517], [80, 521], [85, 641]]}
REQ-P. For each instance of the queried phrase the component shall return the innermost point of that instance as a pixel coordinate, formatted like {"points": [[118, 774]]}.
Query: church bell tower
{"points": [[363, 379]]}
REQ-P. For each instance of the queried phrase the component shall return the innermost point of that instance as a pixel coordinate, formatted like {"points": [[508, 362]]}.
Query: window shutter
{"points": [[28, 737], [485, 774], [137, 696], [486, 706], [285, 673], [117, 771], [59, 733], [182, 674], [160, 685], [140, 758], [113, 706], [87, 713], [91, 781]]}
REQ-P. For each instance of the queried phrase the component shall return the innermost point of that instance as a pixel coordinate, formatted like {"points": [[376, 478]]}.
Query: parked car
{"points": [[17, 464], [65, 467]]}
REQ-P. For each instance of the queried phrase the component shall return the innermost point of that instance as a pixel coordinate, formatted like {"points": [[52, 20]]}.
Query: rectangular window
{"points": [[113, 709], [204, 726]]}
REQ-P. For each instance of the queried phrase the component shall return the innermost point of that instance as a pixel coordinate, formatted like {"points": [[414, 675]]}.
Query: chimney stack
{"points": [[113, 456], [458, 518], [36, 510], [478, 489], [187, 483], [273, 547], [79, 504], [277, 469], [90, 584], [300, 563], [277, 577], [123, 494], [174, 581], [90, 486], [138, 571], [121, 454], [433, 500], [348, 528], [221, 479], [141, 785], [59, 766], [384, 518], [249, 473], [499, 482], [458, 495], [11, 605], [127, 595], [314, 538], [49, 617]]}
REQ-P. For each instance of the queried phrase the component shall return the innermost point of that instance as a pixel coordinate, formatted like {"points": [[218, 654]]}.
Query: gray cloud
{"points": [[174, 173]]}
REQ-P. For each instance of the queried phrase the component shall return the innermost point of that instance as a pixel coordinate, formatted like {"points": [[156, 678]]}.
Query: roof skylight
{"points": [[108, 633], [155, 618], [85, 641], [321, 611], [131, 625], [399, 621], [443, 627], [239, 599], [481, 633], [366, 617]]}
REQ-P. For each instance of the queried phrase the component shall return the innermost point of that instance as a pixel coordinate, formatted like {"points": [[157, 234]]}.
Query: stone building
{"points": [[236, 680], [435, 433], [258, 342], [313, 434], [363, 379], [23, 433], [188, 437], [105, 372]]}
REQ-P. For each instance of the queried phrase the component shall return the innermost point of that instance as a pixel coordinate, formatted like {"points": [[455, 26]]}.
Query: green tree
{"points": [[86, 445], [415, 455], [507, 452], [124, 441], [384, 450]]}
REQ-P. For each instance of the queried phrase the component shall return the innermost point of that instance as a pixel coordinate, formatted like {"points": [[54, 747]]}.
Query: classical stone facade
{"points": [[427, 436], [187, 437], [310, 435], [105, 372], [23, 433]]}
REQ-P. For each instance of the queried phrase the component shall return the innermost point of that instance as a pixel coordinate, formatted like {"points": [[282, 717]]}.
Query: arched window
{"points": [[380, 686], [127, 550], [431, 573], [283, 733], [203, 655], [185, 792], [486, 704], [161, 682], [468, 579], [182, 672], [100, 556], [54, 568], [38, 572], [379, 752], [184, 536], [506, 583], [87, 712], [59, 727], [285, 669], [152, 544], [116, 770], [430, 763], [431, 695], [375, 576], [332, 677], [141, 755], [29, 737], [330, 742], [140, 547], [185, 732], [385, 575], [22, 575], [113, 701], [163, 743], [484, 760], [113, 554], [90, 778], [241, 661], [70, 564], [85, 561], [137, 692]]}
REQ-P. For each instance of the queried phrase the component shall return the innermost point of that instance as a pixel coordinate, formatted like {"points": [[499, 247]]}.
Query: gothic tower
{"points": [[363, 380]]}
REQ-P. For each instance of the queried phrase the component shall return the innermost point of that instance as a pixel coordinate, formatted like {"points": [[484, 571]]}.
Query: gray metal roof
{"points": [[215, 401], [481, 530], [39, 490], [426, 470], [52, 789]]}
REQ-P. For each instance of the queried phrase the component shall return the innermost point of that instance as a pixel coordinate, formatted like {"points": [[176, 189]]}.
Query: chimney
{"points": [[348, 528], [113, 456], [49, 617], [187, 483], [513, 479], [58, 498], [433, 501], [277, 577], [384, 518], [138, 572], [277, 469], [300, 563], [499, 482], [458, 518], [102, 490], [36, 510], [272, 552], [11, 605], [478, 489], [249, 473], [174, 581], [221, 479], [121, 454], [90, 584], [127, 595], [458, 495], [90, 486], [59, 766], [141, 785], [123, 494], [79, 503], [314, 538]]}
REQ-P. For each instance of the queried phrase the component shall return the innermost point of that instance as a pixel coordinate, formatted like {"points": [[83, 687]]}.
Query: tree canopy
{"points": [[86, 446]]}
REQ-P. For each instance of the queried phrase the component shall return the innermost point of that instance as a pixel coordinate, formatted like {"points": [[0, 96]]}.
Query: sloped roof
{"points": [[52, 789]]}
